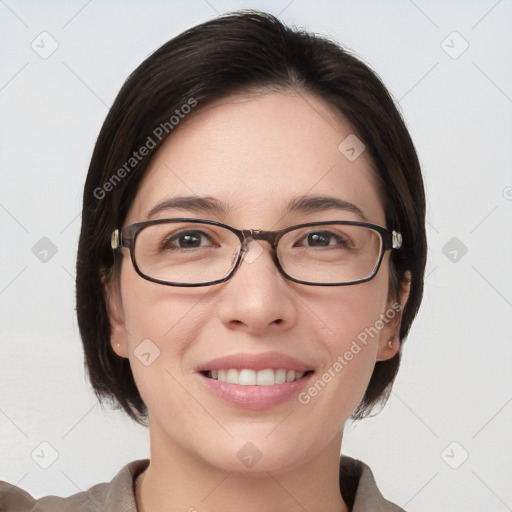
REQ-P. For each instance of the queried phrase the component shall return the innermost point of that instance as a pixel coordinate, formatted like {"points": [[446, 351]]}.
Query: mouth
{"points": [[250, 377], [255, 381]]}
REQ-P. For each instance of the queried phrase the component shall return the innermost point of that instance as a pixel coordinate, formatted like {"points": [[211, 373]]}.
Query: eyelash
{"points": [[344, 242]]}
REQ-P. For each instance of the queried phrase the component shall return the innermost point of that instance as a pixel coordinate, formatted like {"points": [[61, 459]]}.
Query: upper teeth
{"points": [[247, 377]]}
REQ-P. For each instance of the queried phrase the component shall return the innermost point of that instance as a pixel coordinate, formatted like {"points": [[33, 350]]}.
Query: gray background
{"points": [[443, 441]]}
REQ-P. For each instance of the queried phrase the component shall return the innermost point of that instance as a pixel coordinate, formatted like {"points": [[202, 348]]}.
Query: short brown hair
{"points": [[242, 51]]}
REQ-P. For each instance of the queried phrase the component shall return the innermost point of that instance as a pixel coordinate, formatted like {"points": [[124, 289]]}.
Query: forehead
{"points": [[257, 154]]}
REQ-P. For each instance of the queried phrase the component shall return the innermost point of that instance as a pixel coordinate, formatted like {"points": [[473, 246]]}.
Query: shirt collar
{"points": [[357, 486]]}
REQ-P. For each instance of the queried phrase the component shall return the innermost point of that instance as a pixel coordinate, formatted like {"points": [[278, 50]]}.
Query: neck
{"points": [[175, 481]]}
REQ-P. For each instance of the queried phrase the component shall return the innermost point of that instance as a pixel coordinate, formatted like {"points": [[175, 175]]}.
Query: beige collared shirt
{"points": [[357, 486]]}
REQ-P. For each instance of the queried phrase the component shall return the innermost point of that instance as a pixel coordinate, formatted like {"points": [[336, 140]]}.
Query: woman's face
{"points": [[255, 155]]}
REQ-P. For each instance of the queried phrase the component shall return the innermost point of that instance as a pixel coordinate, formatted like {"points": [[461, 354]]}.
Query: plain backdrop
{"points": [[443, 441]]}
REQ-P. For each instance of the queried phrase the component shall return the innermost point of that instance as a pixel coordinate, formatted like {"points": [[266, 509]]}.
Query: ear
{"points": [[118, 338], [389, 343]]}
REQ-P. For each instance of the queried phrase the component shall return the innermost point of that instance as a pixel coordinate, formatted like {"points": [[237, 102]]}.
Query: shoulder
{"points": [[13, 498], [359, 489], [104, 497]]}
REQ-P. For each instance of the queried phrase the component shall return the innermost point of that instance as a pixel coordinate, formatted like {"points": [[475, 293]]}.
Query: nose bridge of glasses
{"points": [[259, 235]]}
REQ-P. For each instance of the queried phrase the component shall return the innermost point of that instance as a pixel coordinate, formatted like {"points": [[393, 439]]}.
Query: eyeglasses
{"points": [[193, 252]]}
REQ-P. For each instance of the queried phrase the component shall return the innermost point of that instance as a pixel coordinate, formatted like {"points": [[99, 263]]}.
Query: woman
{"points": [[250, 262]]}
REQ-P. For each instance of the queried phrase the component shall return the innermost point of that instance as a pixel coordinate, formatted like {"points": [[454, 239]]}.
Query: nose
{"points": [[258, 297]]}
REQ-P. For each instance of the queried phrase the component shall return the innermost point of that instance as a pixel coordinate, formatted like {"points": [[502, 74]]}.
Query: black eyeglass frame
{"points": [[126, 238]]}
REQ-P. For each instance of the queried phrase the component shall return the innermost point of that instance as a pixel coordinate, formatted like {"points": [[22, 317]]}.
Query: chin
{"points": [[260, 454]]}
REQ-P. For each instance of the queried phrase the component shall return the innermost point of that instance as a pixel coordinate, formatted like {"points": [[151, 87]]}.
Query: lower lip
{"points": [[255, 397]]}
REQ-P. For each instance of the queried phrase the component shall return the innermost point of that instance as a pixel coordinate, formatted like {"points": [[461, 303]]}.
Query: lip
{"points": [[273, 360], [255, 397]]}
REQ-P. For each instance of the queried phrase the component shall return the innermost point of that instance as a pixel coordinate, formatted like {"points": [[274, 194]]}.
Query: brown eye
{"points": [[325, 239], [186, 240]]}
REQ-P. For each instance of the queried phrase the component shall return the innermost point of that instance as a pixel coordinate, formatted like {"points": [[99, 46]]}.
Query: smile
{"points": [[255, 381], [249, 377]]}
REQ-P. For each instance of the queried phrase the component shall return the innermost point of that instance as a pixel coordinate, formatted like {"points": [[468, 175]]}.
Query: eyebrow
{"points": [[307, 204], [300, 204], [192, 203]]}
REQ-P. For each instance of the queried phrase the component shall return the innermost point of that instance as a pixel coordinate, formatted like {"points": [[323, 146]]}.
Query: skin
{"points": [[255, 153]]}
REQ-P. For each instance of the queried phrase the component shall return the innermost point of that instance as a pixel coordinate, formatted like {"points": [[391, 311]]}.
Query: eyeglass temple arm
{"points": [[117, 240], [396, 240]]}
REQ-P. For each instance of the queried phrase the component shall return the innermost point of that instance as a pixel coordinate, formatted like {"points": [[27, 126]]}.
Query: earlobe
{"points": [[389, 343], [389, 349], [118, 340]]}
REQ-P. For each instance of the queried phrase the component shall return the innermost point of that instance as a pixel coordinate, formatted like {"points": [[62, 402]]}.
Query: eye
{"points": [[186, 239], [325, 239]]}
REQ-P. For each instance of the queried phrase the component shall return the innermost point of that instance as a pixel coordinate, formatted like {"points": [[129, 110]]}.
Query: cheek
{"points": [[162, 323], [158, 362], [351, 332], [157, 312], [350, 313]]}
